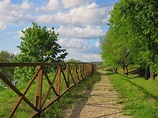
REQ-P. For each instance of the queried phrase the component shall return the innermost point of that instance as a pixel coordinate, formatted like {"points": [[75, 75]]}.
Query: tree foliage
{"points": [[136, 22], [38, 44], [7, 57], [73, 60], [115, 51]]}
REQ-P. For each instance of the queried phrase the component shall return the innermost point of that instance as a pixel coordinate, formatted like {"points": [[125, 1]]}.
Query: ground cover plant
{"points": [[139, 96]]}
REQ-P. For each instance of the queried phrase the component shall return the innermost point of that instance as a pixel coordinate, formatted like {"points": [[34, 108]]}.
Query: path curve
{"points": [[101, 102]]}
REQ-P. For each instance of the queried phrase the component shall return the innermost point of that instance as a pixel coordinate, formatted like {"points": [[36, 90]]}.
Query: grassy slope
{"points": [[139, 96]]}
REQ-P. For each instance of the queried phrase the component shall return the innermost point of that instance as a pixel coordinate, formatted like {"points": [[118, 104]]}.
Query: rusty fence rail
{"points": [[64, 76]]}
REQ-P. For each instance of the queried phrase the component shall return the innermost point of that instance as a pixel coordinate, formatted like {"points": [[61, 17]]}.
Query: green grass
{"points": [[75, 95], [139, 96], [8, 98]]}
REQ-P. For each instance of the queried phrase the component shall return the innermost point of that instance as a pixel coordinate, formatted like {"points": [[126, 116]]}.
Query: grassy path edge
{"points": [[139, 96]]}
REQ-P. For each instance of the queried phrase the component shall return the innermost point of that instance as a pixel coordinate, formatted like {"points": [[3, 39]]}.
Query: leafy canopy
{"points": [[39, 44], [8, 72], [136, 22]]}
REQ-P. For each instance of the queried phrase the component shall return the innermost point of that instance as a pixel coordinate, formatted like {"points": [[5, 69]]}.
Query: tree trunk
{"points": [[152, 75], [123, 67], [114, 70], [157, 77], [146, 72], [126, 70]]}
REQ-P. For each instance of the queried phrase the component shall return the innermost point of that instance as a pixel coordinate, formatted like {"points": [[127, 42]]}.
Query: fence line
{"points": [[66, 75]]}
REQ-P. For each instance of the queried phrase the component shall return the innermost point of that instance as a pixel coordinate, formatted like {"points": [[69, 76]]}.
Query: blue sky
{"points": [[79, 23]]}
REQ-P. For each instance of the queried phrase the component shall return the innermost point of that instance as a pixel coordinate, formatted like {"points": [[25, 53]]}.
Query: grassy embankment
{"points": [[76, 94], [139, 96]]}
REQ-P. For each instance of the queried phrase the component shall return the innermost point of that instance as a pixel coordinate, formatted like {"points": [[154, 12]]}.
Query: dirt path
{"points": [[101, 102]]}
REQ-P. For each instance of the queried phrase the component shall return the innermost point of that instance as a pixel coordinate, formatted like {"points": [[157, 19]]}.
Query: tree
{"points": [[145, 21], [7, 57], [39, 44], [108, 51], [115, 51], [137, 21], [73, 60]]}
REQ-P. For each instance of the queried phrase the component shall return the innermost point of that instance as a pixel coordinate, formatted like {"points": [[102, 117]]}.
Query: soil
{"points": [[101, 102]]}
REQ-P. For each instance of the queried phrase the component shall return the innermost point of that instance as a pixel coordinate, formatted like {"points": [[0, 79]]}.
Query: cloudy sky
{"points": [[79, 23]]}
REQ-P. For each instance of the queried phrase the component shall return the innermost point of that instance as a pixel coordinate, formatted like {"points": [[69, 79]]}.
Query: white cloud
{"points": [[97, 44], [45, 19], [91, 49], [26, 5], [87, 32], [14, 13], [78, 46], [89, 14], [2, 26], [74, 3], [7, 6], [75, 20], [52, 5], [3, 4], [92, 57], [72, 43], [77, 13]]}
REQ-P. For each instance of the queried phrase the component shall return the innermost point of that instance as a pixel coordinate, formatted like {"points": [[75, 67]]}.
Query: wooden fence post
{"points": [[39, 90], [68, 74], [79, 71], [75, 73], [58, 79]]}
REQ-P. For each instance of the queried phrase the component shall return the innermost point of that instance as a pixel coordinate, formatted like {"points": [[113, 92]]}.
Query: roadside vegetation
{"points": [[131, 43], [39, 45], [6, 57], [139, 96], [132, 37], [76, 94]]}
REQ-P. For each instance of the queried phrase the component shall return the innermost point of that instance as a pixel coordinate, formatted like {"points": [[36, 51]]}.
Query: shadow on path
{"points": [[77, 110], [106, 104]]}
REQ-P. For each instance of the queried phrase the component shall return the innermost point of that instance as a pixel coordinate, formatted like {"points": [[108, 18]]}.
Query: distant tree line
{"points": [[132, 37], [6, 57]]}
